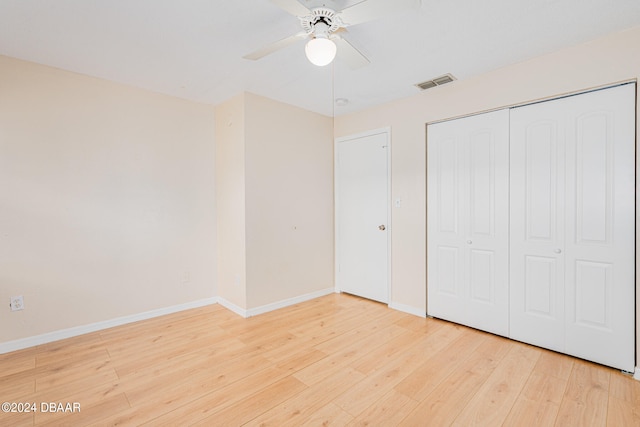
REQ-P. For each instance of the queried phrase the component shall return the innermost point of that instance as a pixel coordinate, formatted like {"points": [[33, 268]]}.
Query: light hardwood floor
{"points": [[337, 360]]}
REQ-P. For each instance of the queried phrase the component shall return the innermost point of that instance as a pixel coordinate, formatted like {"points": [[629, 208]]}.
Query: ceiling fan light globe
{"points": [[320, 51]]}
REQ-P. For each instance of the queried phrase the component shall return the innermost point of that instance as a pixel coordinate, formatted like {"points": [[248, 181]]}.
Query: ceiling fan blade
{"points": [[369, 10], [349, 54], [270, 48], [292, 6]]}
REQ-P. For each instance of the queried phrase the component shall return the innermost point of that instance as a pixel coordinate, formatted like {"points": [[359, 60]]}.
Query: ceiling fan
{"points": [[325, 28]]}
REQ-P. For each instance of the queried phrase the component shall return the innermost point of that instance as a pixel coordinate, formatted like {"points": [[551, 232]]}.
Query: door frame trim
{"points": [[336, 208]]}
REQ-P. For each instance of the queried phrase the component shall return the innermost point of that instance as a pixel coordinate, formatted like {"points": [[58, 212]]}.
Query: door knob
{"points": [[469, 242], [382, 227], [557, 251]]}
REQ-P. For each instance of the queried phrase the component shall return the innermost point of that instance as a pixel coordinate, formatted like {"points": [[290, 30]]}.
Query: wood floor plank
{"points": [[214, 401], [68, 345], [345, 354], [70, 373], [624, 387], [85, 390], [539, 402], [363, 329], [159, 358], [171, 341], [335, 360], [315, 334], [624, 400], [278, 320], [16, 419], [13, 388], [391, 371], [386, 411], [385, 352], [420, 324], [300, 360], [448, 399], [585, 401], [327, 320], [439, 366], [493, 401], [17, 361], [254, 405], [555, 365], [173, 321], [292, 411], [178, 384], [327, 416], [57, 372], [622, 413]]}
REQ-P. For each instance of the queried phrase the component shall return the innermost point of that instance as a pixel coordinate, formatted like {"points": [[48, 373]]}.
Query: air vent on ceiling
{"points": [[447, 78]]}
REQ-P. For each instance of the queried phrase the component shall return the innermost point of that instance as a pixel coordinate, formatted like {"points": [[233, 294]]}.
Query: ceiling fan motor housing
{"points": [[321, 22]]}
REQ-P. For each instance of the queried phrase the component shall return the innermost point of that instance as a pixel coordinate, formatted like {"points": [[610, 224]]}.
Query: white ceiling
{"points": [[193, 48]]}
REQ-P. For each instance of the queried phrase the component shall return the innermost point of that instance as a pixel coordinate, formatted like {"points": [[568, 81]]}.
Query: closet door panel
{"points": [[479, 238], [593, 292], [448, 169], [446, 226], [541, 287], [536, 227], [542, 153], [593, 178], [600, 250], [488, 210], [448, 271], [482, 276], [482, 185]]}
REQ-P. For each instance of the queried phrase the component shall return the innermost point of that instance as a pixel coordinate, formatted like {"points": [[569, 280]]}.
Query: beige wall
{"points": [[230, 200], [116, 201], [275, 201], [289, 176], [106, 202], [607, 60]]}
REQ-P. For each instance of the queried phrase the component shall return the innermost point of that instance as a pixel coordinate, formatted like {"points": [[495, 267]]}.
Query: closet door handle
{"points": [[558, 251], [469, 242]]}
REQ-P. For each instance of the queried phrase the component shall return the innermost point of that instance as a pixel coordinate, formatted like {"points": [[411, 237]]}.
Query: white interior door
{"points": [[362, 215], [467, 221], [573, 225]]}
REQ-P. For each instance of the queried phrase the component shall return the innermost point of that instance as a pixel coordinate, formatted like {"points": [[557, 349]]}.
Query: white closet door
{"points": [[467, 225], [600, 244], [537, 146], [573, 225]]}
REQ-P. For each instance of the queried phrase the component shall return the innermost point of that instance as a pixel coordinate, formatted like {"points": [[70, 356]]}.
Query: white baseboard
{"points": [[636, 374], [287, 302], [22, 343], [408, 309], [231, 306], [273, 306]]}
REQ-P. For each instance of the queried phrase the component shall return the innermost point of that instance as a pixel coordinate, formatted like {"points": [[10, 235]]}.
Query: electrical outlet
{"points": [[17, 303]]}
